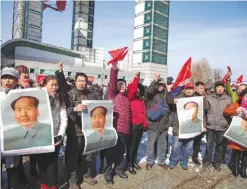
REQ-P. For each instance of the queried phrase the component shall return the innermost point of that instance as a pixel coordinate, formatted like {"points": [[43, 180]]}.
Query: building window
{"points": [[160, 20], [99, 76], [148, 5], [147, 31], [161, 7], [159, 58], [146, 44], [147, 18], [160, 46], [89, 35], [32, 70], [42, 71], [146, 57], [160, 33], [69, 73], [89, 42], [90, 18], [105, 76]]}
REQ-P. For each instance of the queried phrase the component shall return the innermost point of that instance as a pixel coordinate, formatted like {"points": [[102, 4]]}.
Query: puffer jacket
{"points": [[137, 106], [121, 111], [215, 106], [60, 118], [154, 97]]}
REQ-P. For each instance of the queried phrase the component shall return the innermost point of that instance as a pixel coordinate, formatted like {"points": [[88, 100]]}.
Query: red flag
{"points": [[226, 76], [185, 73], [118, 55], [40, 78], [238, 81], [61, 5]]}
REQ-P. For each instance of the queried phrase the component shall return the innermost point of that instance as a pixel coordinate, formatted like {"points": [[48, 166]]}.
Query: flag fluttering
{"points": [[118, 55], [238, 81]]}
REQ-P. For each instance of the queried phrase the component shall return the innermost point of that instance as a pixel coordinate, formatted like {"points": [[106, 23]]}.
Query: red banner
{"points": [[90, 78], [40, 77]]}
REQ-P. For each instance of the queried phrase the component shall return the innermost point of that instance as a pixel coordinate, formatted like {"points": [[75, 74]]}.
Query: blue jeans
{"points": [[182, 149], [161, 139]]}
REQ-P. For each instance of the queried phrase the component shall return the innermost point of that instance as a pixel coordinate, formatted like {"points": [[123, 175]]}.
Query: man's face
{"points": [[81, 83], [219, 90], [189, 92], [161, 87], [240, 89], [98, 119], [190, 106], [200, 89], [8, 82], [25, 112]]}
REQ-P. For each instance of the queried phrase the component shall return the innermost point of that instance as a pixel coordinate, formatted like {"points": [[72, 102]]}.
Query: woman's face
{"points": [[122, 86], [8, 82], [52, 87], [24, 76]]}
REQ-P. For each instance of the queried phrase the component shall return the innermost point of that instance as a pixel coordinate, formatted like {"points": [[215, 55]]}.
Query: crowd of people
{"points": [[132, 117]]}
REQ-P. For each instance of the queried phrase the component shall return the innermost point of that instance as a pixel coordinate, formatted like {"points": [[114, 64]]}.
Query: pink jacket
{"points": [[121, 103]]}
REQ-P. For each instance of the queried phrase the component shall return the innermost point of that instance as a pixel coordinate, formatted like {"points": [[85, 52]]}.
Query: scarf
{"points": [[25, 83], [244, 103]]}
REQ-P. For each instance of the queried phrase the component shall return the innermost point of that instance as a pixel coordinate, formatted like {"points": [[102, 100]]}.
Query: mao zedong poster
{"points": [[237, 132], [26, 122], [190, 117], [97, 125]]}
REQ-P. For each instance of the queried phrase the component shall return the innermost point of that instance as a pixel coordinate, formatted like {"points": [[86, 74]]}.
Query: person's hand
{"points": [[239, 110], [204, 129], [229, 74], [60, 66], [57, 144], [80, 108], [175, 101], [157, 76], [138, 74]]}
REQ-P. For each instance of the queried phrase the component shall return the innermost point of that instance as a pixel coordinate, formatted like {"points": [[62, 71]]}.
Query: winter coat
{"points": [[137, 106], [121, 111], [230, 92], [75, 124], [59, 117], [215, 106], [154, 97], [232, 111]]}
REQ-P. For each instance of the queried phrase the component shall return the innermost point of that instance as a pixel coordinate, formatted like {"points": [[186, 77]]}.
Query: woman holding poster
{"points": [[48, 161], [239, 108]]}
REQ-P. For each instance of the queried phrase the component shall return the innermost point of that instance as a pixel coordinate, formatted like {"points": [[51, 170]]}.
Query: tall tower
{"points": [[27, 20], [82, 24], [151, 38]]}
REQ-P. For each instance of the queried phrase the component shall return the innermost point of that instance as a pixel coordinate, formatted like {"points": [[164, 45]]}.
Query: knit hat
{"points": [[219, 83], [189, 86], [10, 71]]}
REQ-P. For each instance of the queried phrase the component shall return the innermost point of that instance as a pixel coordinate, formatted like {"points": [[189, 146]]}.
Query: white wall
{"points": [[138, 33], [138, 45], [140, 7], [139, 20]]}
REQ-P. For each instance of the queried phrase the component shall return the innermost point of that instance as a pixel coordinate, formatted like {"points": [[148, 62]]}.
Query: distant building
{"points": [[82, 24], [151, 38], [42, 59]]}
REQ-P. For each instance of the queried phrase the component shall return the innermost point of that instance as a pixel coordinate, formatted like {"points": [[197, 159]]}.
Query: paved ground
{"points": [[158, 178]]}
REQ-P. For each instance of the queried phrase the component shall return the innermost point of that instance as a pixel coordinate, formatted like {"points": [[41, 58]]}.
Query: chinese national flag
{"points": [[238, 81], [118, 55], [184, 74]]}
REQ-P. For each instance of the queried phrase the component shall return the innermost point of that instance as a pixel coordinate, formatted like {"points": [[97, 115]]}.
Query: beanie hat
{"points": [[10, 71]]}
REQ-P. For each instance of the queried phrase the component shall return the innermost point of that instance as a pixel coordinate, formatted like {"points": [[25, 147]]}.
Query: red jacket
{"points": [[137, 106], [121, 111]]}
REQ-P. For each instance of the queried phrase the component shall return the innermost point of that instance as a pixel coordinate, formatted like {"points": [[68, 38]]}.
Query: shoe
{"points": [[172, 165], [206, 165], [136, 166], [184, 165], [109, 181], [122, 175], [217, 167], [196, 161], [44, 186], [132, 170], [53, 187], [149, 166], [90, 180], [164, 166]]}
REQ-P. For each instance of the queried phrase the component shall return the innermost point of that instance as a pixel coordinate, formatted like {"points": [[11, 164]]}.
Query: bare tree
{"points": [[201, 71]]}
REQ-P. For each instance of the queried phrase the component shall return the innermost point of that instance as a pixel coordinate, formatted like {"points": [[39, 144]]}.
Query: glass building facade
{"points": [[155, 31]]}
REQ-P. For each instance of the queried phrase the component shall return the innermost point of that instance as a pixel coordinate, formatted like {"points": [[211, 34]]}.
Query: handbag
{"points": [[157, 111]]}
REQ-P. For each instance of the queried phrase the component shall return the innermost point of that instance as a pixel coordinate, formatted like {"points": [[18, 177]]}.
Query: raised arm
{"points": [[62, 83], [132, 88], [112, 83], [152, 87], [63, 121]]}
